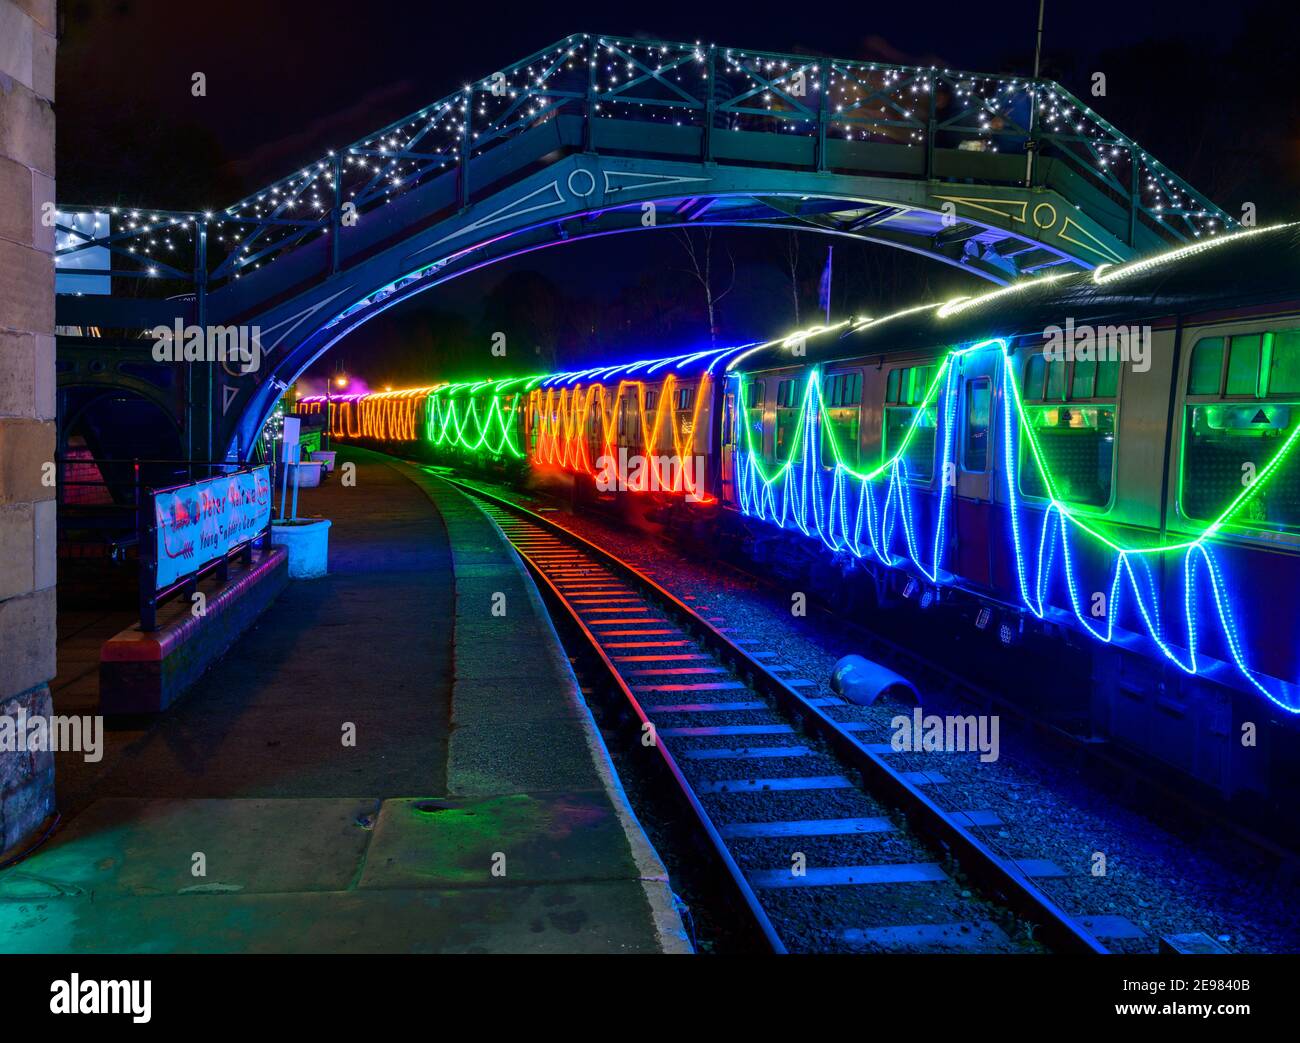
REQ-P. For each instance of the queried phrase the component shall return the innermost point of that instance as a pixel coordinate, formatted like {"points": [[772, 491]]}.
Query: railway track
{"points": [[824, 844]]}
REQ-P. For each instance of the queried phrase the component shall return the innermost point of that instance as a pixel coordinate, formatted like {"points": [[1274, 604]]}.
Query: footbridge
{"points": [[1003, 176]]}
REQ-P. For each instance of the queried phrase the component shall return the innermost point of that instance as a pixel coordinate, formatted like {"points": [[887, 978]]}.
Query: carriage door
{"points": [[726, 427], [975, 459]]}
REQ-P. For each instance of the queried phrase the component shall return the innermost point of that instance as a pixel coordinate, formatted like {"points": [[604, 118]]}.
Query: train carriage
{"points": [[1112, 452], [1108, 455]]}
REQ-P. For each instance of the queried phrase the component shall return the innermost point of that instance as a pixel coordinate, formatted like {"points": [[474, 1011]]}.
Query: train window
{"points": [[789, 397], [1084, 381], [1056, 381], [907, 386], [684, 420], [1283, 353], [1077, 445], [841, 417], [920, 384], [1244, 364], [1225, 446], [915, 449], [1206, 375], [622, 418], [1228, 444], [755, 396], [1035, 371], [910, 427], [789, 394], [843, 389], [1107, 379], [1075, 433], [979, 411]]}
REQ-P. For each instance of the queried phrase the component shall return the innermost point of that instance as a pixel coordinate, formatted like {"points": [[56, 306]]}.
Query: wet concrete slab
{"points": [[606, 917], [123, 847], [312, 841], [519, 838]]}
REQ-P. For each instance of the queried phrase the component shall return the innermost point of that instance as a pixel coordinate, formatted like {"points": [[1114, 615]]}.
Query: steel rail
{"points": [[999, 876], [684, 789]]}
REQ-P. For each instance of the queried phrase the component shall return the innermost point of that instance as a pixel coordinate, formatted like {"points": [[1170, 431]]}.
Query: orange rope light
{"points": [[570, 424], [393, 416], [565, 416]]}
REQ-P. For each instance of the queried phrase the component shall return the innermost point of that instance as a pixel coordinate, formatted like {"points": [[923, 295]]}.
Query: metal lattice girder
{"points": [[639, 81], [576, 139]]}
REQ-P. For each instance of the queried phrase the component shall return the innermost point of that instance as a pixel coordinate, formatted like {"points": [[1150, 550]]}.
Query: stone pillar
{"points": [[27, 429]]}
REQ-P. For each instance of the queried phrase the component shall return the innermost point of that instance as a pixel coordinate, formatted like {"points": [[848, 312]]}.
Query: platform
{"points": [[476, 809]]}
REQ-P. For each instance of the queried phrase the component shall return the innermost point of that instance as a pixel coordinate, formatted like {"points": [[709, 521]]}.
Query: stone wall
{"points": [[27, 430]]}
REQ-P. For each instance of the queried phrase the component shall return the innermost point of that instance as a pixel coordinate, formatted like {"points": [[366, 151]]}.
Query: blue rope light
{"points": [[870, 515]]}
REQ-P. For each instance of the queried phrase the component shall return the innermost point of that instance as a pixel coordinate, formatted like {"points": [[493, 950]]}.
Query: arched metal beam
{"points": [[995, 235]]}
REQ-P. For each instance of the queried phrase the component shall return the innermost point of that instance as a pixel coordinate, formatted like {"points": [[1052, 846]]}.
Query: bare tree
{"points": [[792, 259], [701, 258]]}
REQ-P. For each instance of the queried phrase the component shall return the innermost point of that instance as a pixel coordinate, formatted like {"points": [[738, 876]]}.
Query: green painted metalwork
{"points": [[477, 417]]}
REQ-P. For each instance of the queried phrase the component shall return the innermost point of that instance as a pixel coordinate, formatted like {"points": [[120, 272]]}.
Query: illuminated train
{"points": [[1107, 457]]}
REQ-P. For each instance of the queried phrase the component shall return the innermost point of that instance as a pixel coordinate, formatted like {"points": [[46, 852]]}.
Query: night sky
{"points": [[1209, 90]]}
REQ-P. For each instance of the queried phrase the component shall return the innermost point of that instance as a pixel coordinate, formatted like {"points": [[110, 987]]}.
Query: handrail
{"points": [[594, 77]]}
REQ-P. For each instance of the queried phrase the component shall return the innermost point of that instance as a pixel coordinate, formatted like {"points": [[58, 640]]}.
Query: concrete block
{"points": [[27, 637], [515, 757], [24, 809], [17, 551], [16, 31], [45, 536], [35, 700], [607, 917], [544, 838], [15, 769], [42, 12], [26, 126], [146, 672], [43, 48], [26, 288], [15, 202], [128, 846], [26, 446], [26, 779], [45, 378], [1194, 943], [42, 193], [17, 374]]}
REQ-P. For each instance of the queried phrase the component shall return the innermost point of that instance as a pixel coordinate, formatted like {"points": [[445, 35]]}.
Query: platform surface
{"points": [[474, 811]]}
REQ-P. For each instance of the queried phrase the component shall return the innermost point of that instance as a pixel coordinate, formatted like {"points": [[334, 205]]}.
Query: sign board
{"points": [[204, 521], [289, 438]]}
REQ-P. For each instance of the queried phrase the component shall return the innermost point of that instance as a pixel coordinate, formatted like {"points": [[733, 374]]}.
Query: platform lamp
{"points": [[340, 380]]}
